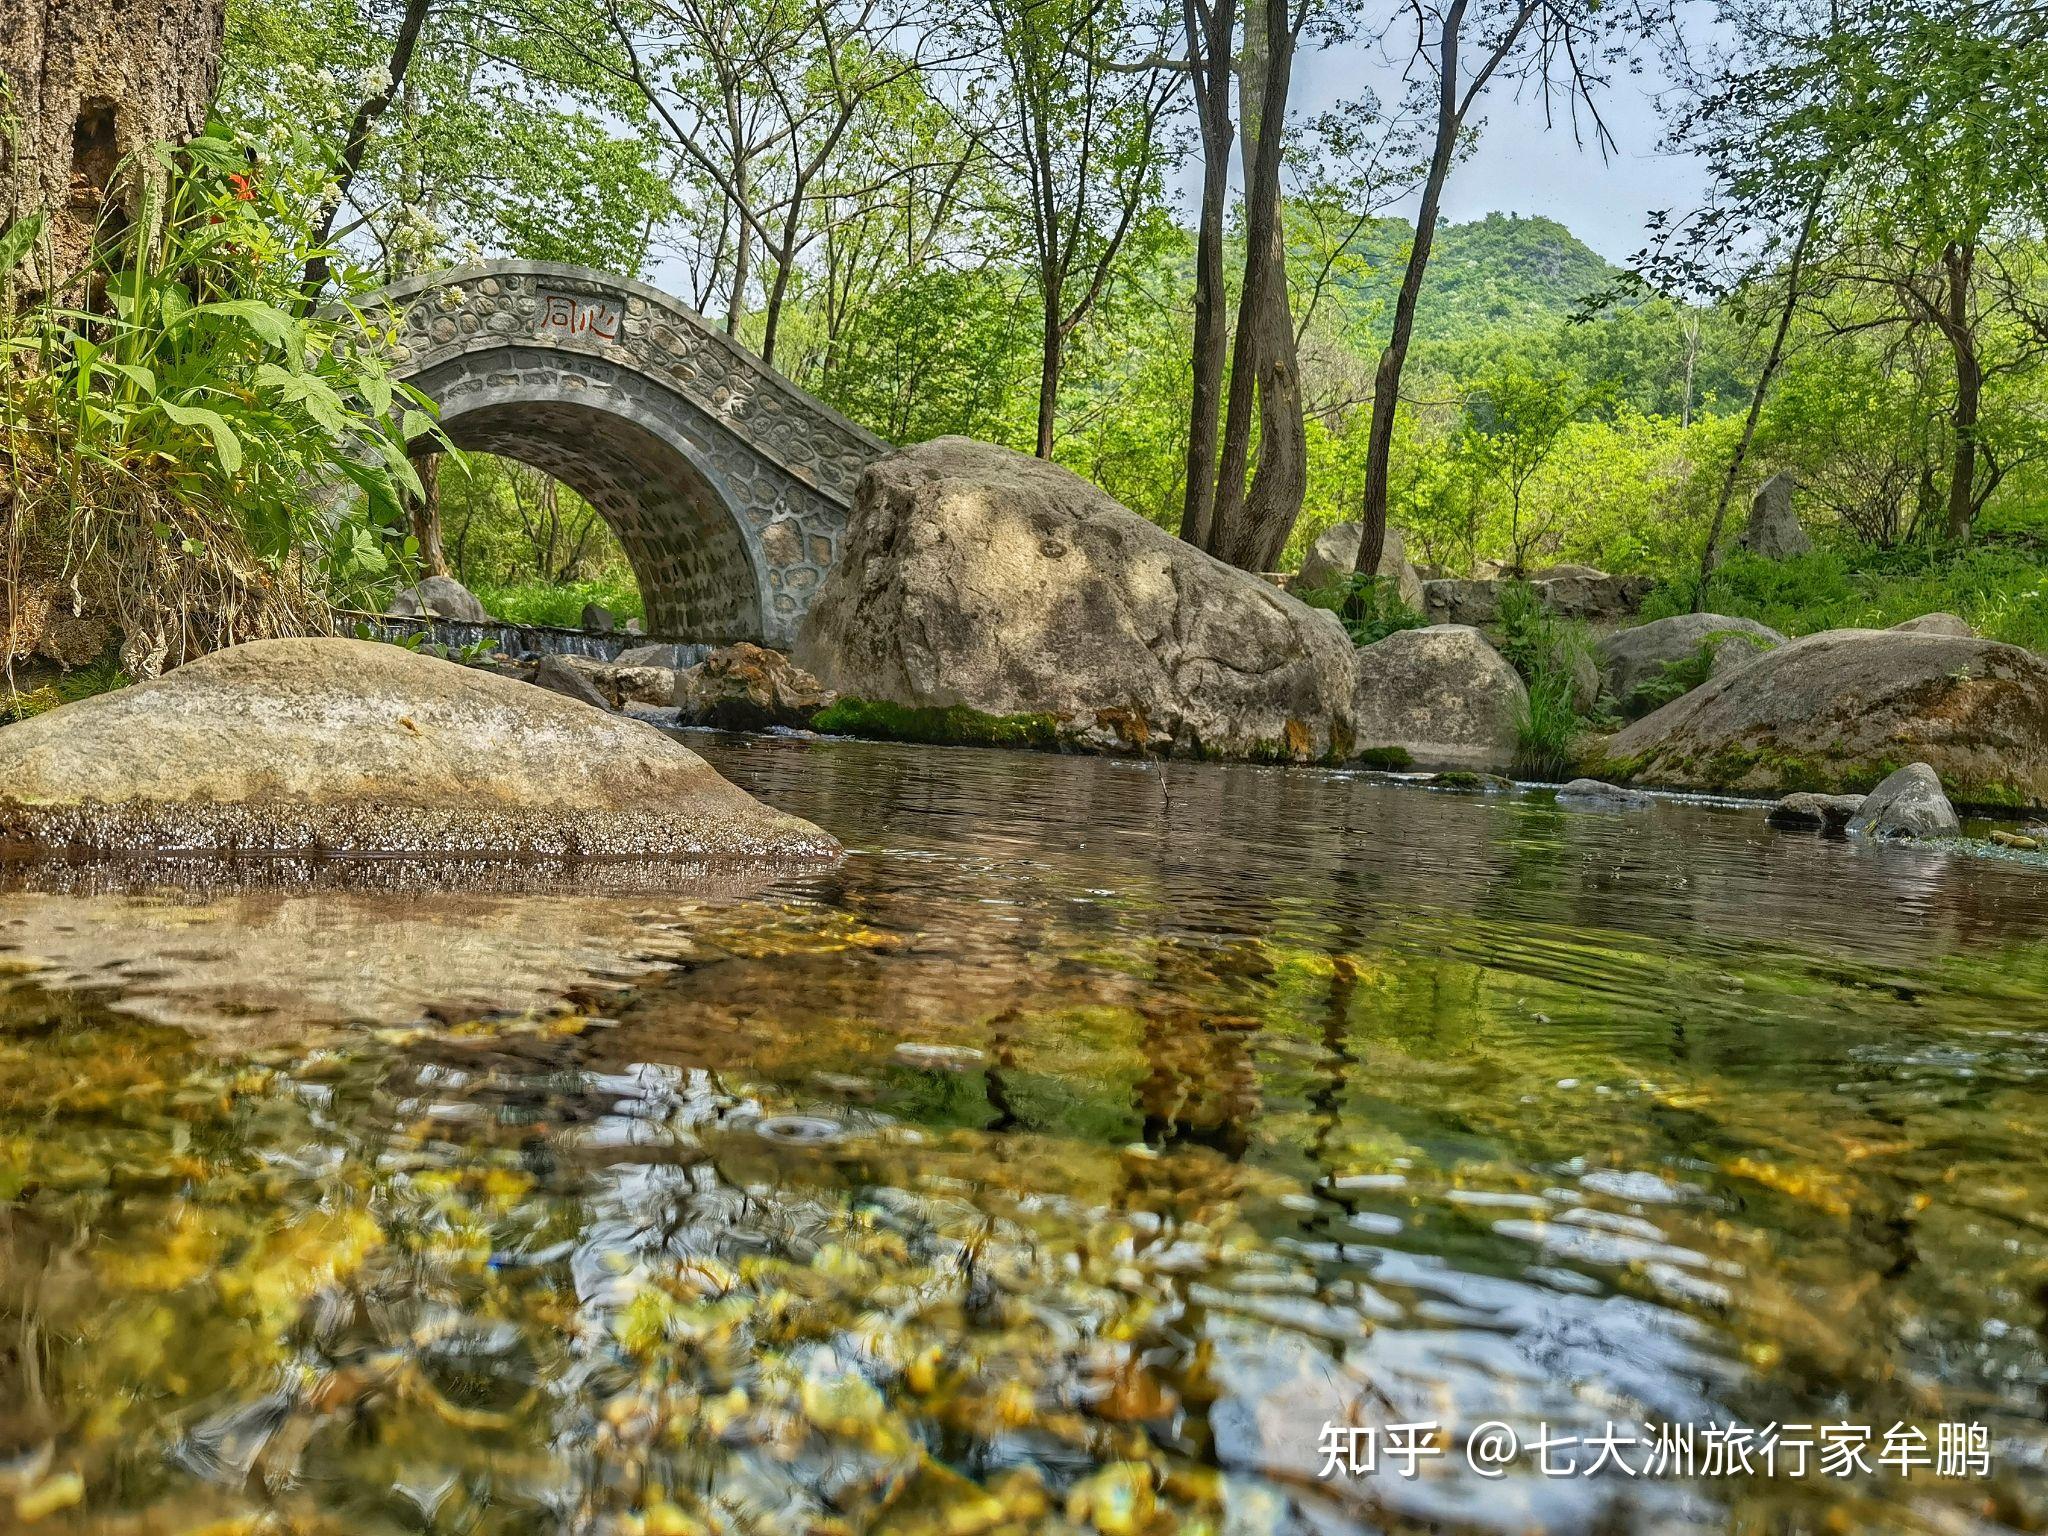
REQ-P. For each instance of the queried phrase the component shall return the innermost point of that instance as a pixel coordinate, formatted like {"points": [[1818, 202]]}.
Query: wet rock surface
{"points": [[349, 746], [747, 687], [1909, 803], [1809, 812]]}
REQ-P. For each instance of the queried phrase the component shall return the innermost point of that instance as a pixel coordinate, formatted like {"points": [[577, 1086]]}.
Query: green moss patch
{"points": [[954, 726], [1387, 759]]}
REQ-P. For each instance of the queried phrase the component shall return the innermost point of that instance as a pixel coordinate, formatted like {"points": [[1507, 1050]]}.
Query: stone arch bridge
{"points": [[727, 485]]}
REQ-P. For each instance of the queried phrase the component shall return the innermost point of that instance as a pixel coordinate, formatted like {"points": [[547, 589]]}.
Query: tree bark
{"points": [[1281, 479], [1386, 384], [94, 83], [1959, 262], [426, 517], [1211, 29], [1052, 362]]}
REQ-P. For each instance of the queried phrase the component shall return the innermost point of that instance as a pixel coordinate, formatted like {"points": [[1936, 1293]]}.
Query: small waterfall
{"points": [[518, 640]]}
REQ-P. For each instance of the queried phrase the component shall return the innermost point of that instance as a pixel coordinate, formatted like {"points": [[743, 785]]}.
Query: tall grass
{"points": [[176, 427], [560, 604], [2001, 589], [1549, 652]]}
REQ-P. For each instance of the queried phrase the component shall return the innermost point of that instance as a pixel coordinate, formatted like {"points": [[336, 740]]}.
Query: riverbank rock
{"points": [[982, 578], [747, 687], [1629, 658], [1838, 711], [1808, 812], [558, 674], [1439, 697], [1773, 530], [1936, 624], [1334, 556], [596, 619], [439, 597], [355, 747], [1597, 794], [1908, 803]]}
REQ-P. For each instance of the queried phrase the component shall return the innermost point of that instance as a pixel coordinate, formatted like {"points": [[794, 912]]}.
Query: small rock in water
{"points": [[945, 1058], [807, 1130], [2006, 839], [1908, 804], [1806, 812], [557, 676], [1601, 795]]}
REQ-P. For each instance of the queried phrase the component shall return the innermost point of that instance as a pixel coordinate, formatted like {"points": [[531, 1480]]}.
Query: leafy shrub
{"points": [[2001, 589], [174, 425], [560, 604], [1369, 606]]}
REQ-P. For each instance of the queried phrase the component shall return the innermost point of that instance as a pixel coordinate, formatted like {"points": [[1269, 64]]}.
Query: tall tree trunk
{"points": [[742, 257], [1211, 28], [1246, 359], [1794, 273], [1960, 260], [1052, 362], [1386, 384], [94, 83], [403, 45], [1281, 479], [426, 516], [785, 259]]}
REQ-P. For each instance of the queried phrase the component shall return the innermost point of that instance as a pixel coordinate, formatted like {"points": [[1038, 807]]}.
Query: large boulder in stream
{"points": [[355, 747], [1838, 711], [978, 577], [1438, 697]]}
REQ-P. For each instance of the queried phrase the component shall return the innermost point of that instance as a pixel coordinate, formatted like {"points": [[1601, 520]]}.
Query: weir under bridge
{"points": [[727, 485]]}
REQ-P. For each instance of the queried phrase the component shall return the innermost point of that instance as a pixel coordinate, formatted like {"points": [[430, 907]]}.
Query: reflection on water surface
{"points": [[1066, 1158]]}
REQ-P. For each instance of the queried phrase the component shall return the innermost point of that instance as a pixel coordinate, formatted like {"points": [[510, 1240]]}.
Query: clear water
{"points": [[1068, 1158]]}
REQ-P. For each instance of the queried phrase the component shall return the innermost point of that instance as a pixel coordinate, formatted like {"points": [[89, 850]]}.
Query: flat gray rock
{"points": [[1809, 812], [354, 747], [1598, 794]]}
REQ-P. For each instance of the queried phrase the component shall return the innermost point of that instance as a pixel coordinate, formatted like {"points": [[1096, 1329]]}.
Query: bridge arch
{"points": [[728, 486]]}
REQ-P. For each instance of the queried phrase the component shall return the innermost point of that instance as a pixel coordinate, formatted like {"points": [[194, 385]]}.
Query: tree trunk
{"points": [[1793, 273], [403, 46], [1246, 359], [1052, 362], [426, 517], [1962, 340], [1211, 29], [1281, 479], [95, 82], [1386, 384]]}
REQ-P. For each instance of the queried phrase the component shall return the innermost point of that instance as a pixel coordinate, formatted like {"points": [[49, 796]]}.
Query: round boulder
{"points": [[1334, 556], [1837, 711], [1936, 624], [354, 747], [439, 597], [1439, 697], [1629, 658], [980, 578], [1909, 803]]}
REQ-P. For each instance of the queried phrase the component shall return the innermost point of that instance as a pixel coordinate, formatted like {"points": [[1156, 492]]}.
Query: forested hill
{"points": [[1502, 272]]}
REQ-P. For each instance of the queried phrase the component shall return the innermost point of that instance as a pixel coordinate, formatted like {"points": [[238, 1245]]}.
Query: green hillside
{"points": [[1502, 272]]}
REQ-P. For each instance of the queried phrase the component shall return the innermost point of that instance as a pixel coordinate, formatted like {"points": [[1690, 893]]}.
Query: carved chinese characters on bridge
{"points": [[570, 316]]}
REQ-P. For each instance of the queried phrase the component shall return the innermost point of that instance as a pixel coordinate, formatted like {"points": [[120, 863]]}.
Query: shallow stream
{"points": [[1102, 1146]]}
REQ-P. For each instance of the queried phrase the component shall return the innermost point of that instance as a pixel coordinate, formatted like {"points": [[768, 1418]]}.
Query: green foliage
{"points": [[2000, 589], [1674, 679], [560, 604], [101, 676], [173, 446], [1548, 652], [1370, 606], [954, 726]]}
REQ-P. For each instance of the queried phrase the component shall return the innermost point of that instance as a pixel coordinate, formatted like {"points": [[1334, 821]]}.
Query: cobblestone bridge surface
{"points": [[728, 486]]}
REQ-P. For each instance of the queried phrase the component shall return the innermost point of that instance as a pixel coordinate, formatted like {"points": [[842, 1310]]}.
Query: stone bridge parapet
{"points": [[728, 486]]}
